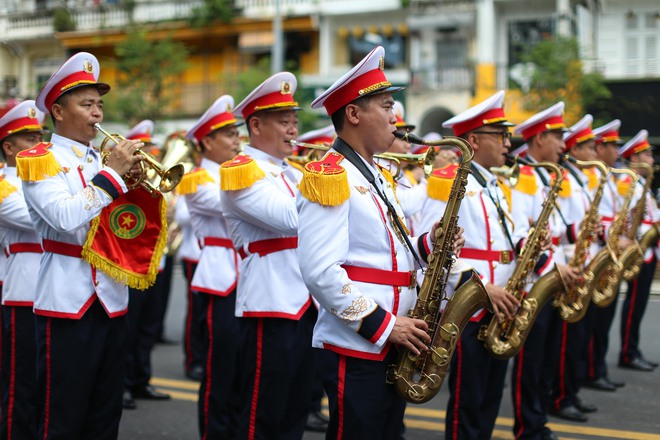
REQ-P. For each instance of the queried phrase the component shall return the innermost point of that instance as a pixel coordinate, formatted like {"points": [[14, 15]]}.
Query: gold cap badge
{"points": [[285, 89], [381, 63], [32, 113], [88, 67]]}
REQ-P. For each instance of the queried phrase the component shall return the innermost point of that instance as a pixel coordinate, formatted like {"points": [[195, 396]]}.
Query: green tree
{"points": [[558, 75], [147, 77], [211, 11]]}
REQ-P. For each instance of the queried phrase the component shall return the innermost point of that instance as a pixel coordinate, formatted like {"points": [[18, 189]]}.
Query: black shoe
{"points": [[570, 413], [549, 435], [195, 373], [651, 363], [163, 340], [585, 407], [316, 422], [616, 383], [638, 364], [148, 392], [601, 384], [127, 401]]}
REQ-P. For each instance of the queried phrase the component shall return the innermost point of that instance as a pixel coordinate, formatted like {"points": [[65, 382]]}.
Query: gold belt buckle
{"points": [[413, 279], [505, 257]]}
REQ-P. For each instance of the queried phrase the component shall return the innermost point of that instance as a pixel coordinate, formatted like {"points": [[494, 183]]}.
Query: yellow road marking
{"points": [[172, 383]]}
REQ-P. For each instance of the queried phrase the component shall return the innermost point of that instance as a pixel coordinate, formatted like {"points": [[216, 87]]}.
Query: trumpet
{"points": [[309, 157], [169, 177], [424, 160], [510, 173]]}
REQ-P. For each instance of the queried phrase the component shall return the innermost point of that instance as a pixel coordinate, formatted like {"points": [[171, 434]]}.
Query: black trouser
{"points": [[599, 340], [362, 405], [222, 385], [193, 329], [163, 294], [532, 375], [476, 382], [80, 373], [143, 318], [17, 381], [278, 373], [633, 309]]}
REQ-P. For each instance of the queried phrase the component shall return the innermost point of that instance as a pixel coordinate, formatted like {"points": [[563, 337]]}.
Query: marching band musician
{"points": [[363, 274], [81, 322], [638, 150], [19, 130], [570, 374], [215, 277], [258, 199], [476, 379], [533, 365], [144, 313], [607, 150]]}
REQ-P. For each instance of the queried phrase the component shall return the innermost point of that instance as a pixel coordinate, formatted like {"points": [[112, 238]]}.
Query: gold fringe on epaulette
{"points": [[439, 188], [526, 184], [565, 190], [120, 274], [593, 179], [191, 180], [236, 177], [6, 188], [506, 190], [623, 185], [325, 188], [35, 168]]}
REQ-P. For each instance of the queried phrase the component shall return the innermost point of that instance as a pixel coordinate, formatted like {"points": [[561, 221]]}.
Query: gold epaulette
{"points": [[325, 181], [6, 188], [565, 189], [411, 176], [592, 176], [506, 190], [239, 173], [189, 181], [37, 163], [440, 182], [526, 181], [623, 184], [296, 165]]}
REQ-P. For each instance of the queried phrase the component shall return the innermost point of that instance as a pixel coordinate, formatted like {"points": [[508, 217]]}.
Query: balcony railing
{"points": [[450, 78], [266, 8]]}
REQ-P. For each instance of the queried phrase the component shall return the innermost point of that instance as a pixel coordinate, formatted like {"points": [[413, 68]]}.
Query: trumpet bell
{"points": [[512, 173], [171, 178]]}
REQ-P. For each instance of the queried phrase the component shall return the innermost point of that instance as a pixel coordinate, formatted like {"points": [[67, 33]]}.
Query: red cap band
{"points": [[368, 82], [489, 117], [218, 121], [553, 123]]}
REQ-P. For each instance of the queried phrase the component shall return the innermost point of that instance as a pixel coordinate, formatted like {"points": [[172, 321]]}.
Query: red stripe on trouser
{"points": [[459, 360], [12, 375], [519, 418], [341, 388], [47, 400], [631, 309], [207, 384], [257, 379]]}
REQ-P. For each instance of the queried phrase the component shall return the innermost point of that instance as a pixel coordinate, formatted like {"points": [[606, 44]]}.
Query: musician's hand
{"points": [[459, 241], [547, 241], [410, 333], [505, 305], [569, 274], [122, 158]]}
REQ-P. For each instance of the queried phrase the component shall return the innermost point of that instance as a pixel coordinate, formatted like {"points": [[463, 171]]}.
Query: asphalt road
{"points": [[632, 412]]}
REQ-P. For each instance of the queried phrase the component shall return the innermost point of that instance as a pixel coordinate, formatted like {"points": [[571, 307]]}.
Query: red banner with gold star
{"points": [[127, 239]]}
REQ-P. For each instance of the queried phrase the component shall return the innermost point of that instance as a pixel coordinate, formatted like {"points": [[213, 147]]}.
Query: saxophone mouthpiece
{"points": [[408, 137]]}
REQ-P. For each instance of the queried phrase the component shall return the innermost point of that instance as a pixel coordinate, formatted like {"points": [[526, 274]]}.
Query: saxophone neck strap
{"points": [[500, 212], [353, 157]]}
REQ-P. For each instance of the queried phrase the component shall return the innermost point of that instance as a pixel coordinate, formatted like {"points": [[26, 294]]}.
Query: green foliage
{"points": [[147, 73], [558, 75], [62, 20], [211, 11]]}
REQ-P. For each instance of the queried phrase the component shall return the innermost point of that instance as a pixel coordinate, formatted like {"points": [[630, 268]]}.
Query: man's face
{"points": [[376, 121], [76, 114], [552, 146], [273, 131], [585, 150], [643, 157], [14, 144], [608, 152], [222, 144], [491, 143]]}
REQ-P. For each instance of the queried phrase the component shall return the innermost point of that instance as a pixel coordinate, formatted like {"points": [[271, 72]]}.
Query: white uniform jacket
{"points": [[62, 208], [263, 222], [487, 248], [189, 249], [217, 270], [21, 244], [361, 273], [411, 197], [610, 204], [3, 256]]}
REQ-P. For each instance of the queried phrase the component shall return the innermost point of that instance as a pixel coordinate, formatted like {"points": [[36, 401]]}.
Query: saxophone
{"points": [[633, 256], [573, 304], [505, 338], [606, 266], [417, 378]]}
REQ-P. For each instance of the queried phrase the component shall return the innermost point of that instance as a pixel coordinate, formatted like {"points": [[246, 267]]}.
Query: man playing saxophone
{"points": [[638, 150], [358, 259], [476, 379]]}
